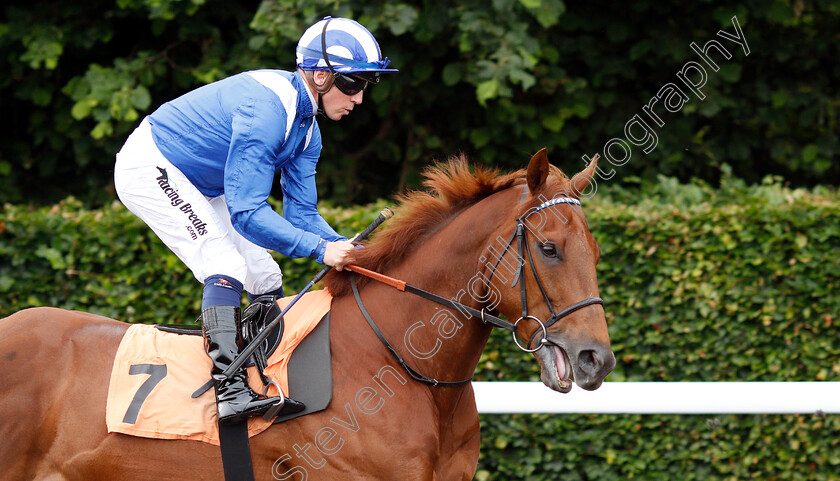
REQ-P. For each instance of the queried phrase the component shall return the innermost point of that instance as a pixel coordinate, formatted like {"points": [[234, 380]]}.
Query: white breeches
{"points": [[195, 227]]}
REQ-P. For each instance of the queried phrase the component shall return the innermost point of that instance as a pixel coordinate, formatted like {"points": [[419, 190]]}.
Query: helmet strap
{"points": [[321, 110], [310, 79], [320, 90], [328, 83]]}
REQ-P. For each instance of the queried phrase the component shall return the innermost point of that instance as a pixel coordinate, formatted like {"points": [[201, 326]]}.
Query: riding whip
{"points": [[248, 350]]}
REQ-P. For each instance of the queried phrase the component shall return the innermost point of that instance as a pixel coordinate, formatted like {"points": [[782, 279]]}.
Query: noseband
{"points": [[520, 235]]}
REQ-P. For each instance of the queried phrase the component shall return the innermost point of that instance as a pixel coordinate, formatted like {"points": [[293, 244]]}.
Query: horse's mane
{"points": [[451, 187]]}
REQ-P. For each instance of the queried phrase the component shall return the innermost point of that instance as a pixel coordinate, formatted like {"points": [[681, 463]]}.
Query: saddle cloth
{"points": [[155, 374]]}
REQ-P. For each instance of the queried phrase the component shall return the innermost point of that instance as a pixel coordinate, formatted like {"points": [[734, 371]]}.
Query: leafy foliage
{"points": [[700, 284], [495, 79]]}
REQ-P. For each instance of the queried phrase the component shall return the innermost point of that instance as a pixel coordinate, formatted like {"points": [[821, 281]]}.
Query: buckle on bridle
{"points": [[542, 342]]}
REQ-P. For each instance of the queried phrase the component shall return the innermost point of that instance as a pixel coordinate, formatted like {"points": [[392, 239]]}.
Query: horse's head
{"points": [[545, 277], [535, 258]]}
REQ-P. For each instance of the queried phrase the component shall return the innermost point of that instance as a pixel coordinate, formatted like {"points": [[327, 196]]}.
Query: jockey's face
{"points": [[337, 104]]}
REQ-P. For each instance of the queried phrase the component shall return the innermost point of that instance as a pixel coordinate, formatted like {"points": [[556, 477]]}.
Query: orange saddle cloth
{"points": [[155, 374]]}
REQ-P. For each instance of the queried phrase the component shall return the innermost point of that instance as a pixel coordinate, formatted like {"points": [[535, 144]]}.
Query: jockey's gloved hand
{"points": [[337, 253]]}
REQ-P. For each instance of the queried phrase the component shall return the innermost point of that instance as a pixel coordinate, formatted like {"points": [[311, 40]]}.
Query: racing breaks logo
{"points": [[222, 282], [177, 201]]}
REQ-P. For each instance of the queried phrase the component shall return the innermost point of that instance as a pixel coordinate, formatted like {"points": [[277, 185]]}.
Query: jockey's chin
{"points": [[337, 104]]}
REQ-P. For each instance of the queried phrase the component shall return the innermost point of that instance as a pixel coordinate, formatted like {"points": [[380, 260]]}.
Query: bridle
{"points": [[520, 236]]}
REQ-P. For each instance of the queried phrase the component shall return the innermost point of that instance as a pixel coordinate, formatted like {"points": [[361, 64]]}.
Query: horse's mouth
{"points": [[562, 368], [556, 368], [586, 367]]}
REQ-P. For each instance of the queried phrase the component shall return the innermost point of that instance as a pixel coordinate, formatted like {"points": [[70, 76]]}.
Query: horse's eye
{"points": [[548, 250]]}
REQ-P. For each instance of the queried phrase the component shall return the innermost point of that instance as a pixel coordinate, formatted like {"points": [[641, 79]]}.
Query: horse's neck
{"points": [[442, 342]]}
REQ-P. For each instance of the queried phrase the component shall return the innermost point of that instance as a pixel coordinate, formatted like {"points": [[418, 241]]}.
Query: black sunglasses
{"points": [[349, 84]]}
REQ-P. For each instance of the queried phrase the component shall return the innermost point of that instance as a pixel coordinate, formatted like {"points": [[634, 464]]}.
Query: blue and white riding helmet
{"points": [[350, 49]]}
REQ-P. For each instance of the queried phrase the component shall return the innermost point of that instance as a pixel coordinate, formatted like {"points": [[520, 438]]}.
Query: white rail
{"points": [[662, 398]]}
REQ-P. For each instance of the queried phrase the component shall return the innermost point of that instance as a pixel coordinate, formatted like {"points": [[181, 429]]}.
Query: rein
{"points": [[520, 236], [486, 317], [413, 373]]}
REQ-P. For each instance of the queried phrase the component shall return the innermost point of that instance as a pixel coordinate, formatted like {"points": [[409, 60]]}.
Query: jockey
{"points": [[199, 171]]}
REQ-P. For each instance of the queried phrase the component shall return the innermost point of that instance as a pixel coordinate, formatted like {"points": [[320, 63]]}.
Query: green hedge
{"points": [[701, 284]]}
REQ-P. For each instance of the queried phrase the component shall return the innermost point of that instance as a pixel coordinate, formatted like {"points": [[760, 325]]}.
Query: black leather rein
{"points": [[413, 373]]}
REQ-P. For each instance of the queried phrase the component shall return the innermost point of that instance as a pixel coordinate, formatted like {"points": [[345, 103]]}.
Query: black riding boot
{"points": [[235, 400]]}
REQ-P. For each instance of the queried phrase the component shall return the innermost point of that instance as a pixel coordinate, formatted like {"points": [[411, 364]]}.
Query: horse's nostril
{"points": [[588, 359]]}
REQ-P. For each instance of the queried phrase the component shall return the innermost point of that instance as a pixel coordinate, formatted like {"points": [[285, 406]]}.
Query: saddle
{"points": [[160, 379]]}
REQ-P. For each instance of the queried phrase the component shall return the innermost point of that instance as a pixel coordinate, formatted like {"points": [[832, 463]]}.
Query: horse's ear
{"points": [[582, 179], [537, 171]]}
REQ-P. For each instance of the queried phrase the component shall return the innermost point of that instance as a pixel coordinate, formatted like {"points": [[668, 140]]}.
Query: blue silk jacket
{"points": [[230, 137]]}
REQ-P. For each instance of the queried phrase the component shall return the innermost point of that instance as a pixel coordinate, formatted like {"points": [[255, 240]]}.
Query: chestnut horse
{"points": [[457, 240]]}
